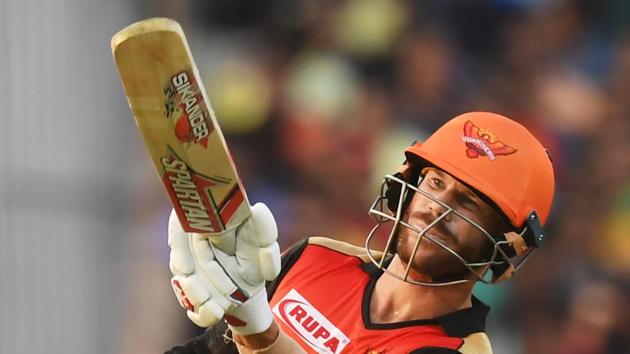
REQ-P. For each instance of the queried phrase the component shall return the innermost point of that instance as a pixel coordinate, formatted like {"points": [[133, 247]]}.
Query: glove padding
{"points": [[256, 250], [223, 275]]}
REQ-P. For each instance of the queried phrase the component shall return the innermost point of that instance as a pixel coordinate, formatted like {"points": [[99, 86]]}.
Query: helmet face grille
{"points": [[389, 217]]}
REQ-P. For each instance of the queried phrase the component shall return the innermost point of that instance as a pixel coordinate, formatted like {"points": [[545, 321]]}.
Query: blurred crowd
{"points": [[318, 99]]}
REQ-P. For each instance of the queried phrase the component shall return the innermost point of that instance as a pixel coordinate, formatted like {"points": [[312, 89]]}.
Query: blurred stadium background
{"points": [[317, 99]]}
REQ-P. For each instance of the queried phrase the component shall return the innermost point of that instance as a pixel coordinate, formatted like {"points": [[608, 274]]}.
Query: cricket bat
{"points": [[178, 126]]}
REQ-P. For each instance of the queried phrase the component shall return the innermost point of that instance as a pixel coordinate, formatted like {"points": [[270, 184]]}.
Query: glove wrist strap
{"points": [[253, 316]]}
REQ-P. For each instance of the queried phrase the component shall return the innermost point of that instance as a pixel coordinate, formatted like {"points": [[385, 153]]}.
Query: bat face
{"points": [[178, 126]]}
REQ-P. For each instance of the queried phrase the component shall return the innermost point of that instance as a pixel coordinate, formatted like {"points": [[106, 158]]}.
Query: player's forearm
{"points": [[271, 341]]}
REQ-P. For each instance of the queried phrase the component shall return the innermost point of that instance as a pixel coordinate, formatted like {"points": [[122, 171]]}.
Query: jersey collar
{"points": [[460, 323]]}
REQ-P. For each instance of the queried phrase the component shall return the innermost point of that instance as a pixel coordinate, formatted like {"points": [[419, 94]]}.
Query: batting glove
{"points": [[223, 275]]}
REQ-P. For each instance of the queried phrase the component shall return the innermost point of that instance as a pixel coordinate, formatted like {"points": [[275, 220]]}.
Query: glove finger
{"points": [[270, 261], [247, 251], [246, 243], [181, 295], [181, 262], [241, 270], [174, 229], [216, 274], [207, 315], [200, 246], [193, 288], [265, 228], [200, 321], [220, 275], [213, 272], [180, 259], [224, 276]]}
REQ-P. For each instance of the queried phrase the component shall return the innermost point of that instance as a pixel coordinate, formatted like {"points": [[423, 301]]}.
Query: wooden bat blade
{"points": [[178, 125]]}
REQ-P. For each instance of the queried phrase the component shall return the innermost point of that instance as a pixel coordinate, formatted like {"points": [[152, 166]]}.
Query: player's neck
{"points": [[394, 300]]}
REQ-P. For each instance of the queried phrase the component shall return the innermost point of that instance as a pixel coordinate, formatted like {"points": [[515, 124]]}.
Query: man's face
{"points": [[431, 260]]}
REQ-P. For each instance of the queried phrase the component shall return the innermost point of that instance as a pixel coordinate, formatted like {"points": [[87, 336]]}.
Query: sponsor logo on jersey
{"points": [[184, 102], [481, 142], [306, 321]]}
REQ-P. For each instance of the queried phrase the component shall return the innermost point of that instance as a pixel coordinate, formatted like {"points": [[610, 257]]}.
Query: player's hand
{"points": [[212, 283], [256, 251]]}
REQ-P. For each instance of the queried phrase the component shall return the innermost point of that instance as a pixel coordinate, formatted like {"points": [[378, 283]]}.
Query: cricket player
{"points": [[467, 205]]}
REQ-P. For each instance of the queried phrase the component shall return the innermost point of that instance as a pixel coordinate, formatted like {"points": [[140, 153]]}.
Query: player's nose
{"points": [[437, 205]]}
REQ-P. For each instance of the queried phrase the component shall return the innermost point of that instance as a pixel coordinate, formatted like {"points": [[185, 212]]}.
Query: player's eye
{"points": [[436, 183], [468, 203]]}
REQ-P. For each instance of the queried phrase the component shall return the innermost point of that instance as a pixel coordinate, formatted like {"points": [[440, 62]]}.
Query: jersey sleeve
{"points": [[212, 341]]}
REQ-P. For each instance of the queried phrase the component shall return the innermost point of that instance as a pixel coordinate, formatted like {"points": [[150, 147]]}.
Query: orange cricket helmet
{"points": [[499, 159]]}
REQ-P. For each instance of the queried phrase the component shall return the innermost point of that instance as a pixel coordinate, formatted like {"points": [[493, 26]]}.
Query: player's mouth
{"points": [[437, 232], [435, 235]]}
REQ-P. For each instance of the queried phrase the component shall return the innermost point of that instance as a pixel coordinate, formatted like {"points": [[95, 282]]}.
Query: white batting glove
{"points": [[228, 282], [256, 254]]}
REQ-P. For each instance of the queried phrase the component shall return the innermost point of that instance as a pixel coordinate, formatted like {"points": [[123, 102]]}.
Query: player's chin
{"points": [[427, 251], [436, 269], [436, 264]]}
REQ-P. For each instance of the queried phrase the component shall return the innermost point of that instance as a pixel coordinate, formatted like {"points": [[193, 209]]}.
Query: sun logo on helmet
{"points": [[480, 142], [486, 134]]}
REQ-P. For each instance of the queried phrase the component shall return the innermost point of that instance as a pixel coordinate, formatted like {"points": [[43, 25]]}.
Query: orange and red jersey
{"points": [[322, 299]]}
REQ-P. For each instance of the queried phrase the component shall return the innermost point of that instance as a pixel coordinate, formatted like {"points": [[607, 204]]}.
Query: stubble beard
{"points": [[431, 260]]}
